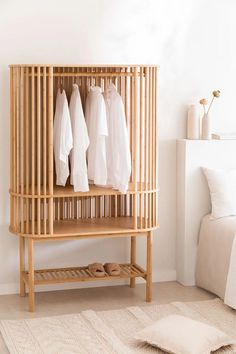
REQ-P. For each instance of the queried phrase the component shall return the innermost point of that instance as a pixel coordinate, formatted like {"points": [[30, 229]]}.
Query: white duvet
{"points": [[230, 291], [216, 261]]}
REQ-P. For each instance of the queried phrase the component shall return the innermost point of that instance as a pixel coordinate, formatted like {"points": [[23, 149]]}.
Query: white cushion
{"points": [[182, 335], [222, 186]]}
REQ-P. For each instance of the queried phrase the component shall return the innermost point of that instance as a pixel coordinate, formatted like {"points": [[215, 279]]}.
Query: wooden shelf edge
{"points": [[63, 192], [80, 274]]}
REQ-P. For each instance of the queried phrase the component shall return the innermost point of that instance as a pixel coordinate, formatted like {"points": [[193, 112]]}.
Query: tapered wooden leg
{"points": [[149, 267], [31, 275], [133, 258], [22, 265]]}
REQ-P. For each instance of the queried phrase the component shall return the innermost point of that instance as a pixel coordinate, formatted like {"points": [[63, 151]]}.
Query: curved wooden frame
{"points": [[40, 210]]}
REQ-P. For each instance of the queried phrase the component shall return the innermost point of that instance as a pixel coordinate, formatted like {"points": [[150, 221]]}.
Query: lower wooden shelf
{"points": [[77, 274]]}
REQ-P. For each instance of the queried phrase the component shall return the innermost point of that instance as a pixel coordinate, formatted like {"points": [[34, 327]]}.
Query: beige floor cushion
{"points": [[182, 335]]}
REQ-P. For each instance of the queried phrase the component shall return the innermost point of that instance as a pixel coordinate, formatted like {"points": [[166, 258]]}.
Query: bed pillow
{"points": [[181, 335], [222, 186]]}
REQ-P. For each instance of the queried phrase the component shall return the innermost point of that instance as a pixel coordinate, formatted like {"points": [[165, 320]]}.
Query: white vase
{"points": [[193, 123], [206, 127]]}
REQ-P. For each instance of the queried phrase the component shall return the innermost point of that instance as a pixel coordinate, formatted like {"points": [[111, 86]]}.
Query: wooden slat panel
{"points": [[38, 149]]}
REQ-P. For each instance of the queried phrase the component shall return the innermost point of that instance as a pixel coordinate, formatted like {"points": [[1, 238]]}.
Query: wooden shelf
{"points": [[77, 274], [97, 226], [88, 227], [68, 191]]}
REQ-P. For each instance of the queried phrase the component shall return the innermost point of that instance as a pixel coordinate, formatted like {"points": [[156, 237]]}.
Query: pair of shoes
{"points": [[98, 270]]}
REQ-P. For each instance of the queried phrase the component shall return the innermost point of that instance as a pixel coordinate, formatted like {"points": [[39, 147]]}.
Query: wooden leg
{"points": [[31, 275], [133, 258], [22, 265], [149, 267]]}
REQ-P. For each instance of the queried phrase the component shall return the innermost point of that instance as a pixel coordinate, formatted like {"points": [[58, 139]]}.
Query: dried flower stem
{"points": [[209, 105]]}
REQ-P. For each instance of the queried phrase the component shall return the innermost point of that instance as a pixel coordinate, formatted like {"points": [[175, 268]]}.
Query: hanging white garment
{"points": [[62, 138], [118, 149], [79, 175], [96, 120]]}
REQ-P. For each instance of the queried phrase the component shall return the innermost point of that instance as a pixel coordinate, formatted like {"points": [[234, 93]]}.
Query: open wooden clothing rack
{"points": [[42, 211]]}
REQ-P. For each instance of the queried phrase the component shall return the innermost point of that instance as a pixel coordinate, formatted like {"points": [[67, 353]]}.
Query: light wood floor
{"points": [[106, 298]]}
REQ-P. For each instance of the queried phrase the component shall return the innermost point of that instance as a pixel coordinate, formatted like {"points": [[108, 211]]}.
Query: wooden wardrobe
{"points": [[41, 210]]}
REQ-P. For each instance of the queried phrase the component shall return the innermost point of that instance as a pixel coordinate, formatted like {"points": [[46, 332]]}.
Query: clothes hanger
{"points": [[61, 85], [78, 81]]}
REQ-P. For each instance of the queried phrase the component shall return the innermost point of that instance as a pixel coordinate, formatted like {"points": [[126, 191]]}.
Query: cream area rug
{"points": [[107, 332]]}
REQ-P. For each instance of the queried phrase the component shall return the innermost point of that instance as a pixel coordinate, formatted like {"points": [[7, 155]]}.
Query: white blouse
{"points": [[62, 138], [117, 141], [96, 120], [79, 175]]}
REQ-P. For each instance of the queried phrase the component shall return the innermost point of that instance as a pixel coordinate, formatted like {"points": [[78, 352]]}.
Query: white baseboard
{"points": [[13, 288]]}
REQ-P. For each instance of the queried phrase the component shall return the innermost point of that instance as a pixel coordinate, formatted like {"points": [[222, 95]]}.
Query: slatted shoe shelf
{"points": [[42, 211], [75, 274]]}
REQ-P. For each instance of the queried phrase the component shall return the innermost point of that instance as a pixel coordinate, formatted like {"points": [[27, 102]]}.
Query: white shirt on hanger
{"points": [[96, 120], [79, 175], [118, 148], [62, 138]]}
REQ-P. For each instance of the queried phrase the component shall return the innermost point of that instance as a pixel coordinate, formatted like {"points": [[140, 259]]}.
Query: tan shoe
{"points": [[97, 269], [112, 268]]}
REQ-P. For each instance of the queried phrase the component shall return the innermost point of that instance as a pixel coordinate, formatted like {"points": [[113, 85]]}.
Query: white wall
{"points": [[194, 43]]}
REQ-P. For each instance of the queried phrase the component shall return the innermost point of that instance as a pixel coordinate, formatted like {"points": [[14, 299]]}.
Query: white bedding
{"points": [[230, 291], [216, 260]]}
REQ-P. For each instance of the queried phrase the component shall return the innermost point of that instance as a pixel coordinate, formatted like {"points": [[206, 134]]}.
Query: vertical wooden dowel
{"points": [[50, 148], [11, 146], [109, 205], [146, 147], [44, 149], [91, 207], [105, 206], [14, 144], [150, 129], [151, 162], [125, 205], [22, 152], [149, 267], [33, 149], [38, 150], [115, 206], [156, 125], [82, 207], [31, 275], [133, 251], [135, 151], [141, 146], [154, 144], [18, 146], [131, 123], [153, 128], [22, 264], [156, 151], [27, 161]]}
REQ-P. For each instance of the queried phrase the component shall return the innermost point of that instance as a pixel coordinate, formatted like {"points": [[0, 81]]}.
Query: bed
{"points": [[205, 248], [216, 258]]}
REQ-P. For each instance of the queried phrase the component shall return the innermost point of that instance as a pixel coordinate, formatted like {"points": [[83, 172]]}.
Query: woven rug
{"points": [[107, 332]]}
